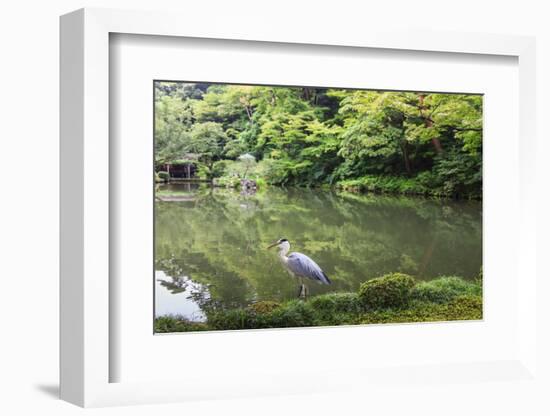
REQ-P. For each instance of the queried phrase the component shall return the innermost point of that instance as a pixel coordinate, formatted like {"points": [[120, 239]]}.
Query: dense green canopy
{"points": [[313, 136]]}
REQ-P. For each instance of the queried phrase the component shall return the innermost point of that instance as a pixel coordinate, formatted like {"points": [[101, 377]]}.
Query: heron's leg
{"points": [[303, 290]]}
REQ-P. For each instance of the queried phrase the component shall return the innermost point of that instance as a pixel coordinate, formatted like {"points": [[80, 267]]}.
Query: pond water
{"points": [[210, 243]]}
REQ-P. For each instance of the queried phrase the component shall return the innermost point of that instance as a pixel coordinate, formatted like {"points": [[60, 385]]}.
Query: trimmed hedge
{"points": [[444, 290], [462, 308], [389, 291], [294, 313]]}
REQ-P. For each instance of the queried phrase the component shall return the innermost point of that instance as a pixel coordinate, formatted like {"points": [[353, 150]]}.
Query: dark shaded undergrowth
{"points": [[393, 298]]}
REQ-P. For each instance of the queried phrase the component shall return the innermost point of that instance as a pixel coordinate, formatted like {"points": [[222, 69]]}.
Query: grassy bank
{"points": [[389, 185], [229, 173], [388, 299], [423, 184]]}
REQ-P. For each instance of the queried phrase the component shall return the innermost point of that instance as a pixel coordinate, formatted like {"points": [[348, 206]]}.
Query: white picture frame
{"points": [[85, 210]]}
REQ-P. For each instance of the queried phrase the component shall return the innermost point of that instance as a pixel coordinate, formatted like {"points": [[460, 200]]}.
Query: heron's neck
{"points": [[283, 251]]}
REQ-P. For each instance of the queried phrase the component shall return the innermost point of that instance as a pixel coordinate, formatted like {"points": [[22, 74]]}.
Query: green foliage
{"points": [[458, 173], [449, 179], [336, 308], [219, 238], [336, 303], [233, 182], [386, 184], [417, 143], [291, 314], [171, 323], [219, 169], [444, 299], [278, 172], [444, 289], [389, 291], [232, 319], [459, 309], [294, 314], [248, 163], [260, 183], [265, 306], [165, 176], [173, 119], [206, 140]]}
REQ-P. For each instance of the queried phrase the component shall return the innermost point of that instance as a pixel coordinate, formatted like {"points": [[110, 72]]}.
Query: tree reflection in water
{"points": [[212, 246]]}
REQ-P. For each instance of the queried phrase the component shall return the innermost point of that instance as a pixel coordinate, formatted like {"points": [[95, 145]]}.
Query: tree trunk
{"points": [[428, 122], [437, 145]]}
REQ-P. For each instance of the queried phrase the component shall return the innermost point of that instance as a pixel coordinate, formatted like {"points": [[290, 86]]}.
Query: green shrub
{"points": [[383, 184], [260, 183], [428, 180], [459, 172], [336, 308], [425, 183], [389, 291], [350, 185], [218, 169], [264, 306], [232, 319], [291, 314], [165, 176], [462, 308], [392, 298], [444, 289], [332, 303], [466, 307], [277, 171], [174, 323], [295, 313]]}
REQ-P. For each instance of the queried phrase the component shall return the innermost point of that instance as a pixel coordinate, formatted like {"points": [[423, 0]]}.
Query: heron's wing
{"points": [[302, 265]]}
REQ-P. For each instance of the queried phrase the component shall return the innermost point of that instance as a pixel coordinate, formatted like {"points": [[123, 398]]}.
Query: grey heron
{"points": [[299, 265]]}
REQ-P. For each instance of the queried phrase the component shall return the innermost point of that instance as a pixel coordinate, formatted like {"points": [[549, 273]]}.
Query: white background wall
{"points": [[29, 180]]}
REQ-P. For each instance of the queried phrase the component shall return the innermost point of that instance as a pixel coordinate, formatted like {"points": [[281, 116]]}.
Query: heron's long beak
{"points": [[272, 245]]}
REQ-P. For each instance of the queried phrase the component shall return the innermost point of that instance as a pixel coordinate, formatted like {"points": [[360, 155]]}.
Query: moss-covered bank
{"points": [[388, 299]]}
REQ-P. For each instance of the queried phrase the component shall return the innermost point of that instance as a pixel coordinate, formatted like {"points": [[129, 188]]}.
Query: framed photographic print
{"points": [[273, 214], [343, 175]]}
